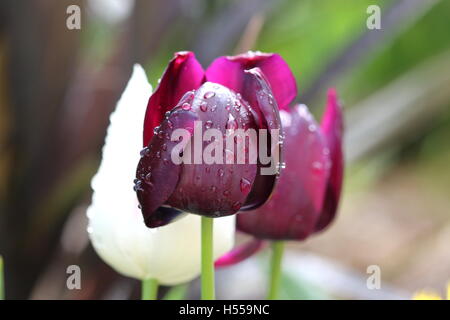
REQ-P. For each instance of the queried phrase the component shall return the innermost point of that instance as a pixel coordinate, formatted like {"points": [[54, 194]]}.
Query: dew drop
{"points": [[213, 188], [245, 186], [158, 154], [231, 123], [209, 95], [204, 106], [220, 172], [148, 177], [145, 152], [208, 124], [236, 206], [155, 130], [317, 167], [312, 128], [170, 124], [186, 106]]}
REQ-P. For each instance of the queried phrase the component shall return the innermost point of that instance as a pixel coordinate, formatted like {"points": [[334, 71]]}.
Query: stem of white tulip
{"points": [[207, 278], [149, 289], [275, 269]]}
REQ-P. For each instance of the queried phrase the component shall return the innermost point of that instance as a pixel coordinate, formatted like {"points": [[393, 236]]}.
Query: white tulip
{"points": [[169, 254]]}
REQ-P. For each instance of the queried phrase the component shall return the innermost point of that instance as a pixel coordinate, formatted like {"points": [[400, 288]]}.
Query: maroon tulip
{"points": [[306, 197], [233, 93]]}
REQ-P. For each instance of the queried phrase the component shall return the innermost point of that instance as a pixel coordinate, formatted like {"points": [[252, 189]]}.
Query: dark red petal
{"points": [[332, 128], [157, 175], [216, 189], [229, 71], [184, 73], [239, 253], [294, 207], [257, 92]]}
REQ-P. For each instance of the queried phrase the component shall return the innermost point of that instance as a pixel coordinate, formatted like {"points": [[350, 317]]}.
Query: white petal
{"points": [[170, 254]]}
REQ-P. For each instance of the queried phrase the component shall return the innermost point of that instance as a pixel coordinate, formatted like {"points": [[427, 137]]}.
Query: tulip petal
{"points": [[240, 253], [257, 92], [332, 128], [294, 207], [157, 175], [183, 74], [210, 188], [229, 71]]}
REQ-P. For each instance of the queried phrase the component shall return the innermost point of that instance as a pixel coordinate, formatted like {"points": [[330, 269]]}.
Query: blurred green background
{"points": [[58, 87]]}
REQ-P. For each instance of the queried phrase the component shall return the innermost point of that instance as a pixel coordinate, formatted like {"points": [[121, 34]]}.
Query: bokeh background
{"points": [[58, 87]]}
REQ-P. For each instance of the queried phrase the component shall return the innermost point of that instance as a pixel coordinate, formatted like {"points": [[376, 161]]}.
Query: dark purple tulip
{"points": [[221, 98], [306, 196]]}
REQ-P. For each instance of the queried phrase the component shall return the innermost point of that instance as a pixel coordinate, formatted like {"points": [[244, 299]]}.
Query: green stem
{"points": [[275, 269], [207, 278], [2, 280], [149, 289]]}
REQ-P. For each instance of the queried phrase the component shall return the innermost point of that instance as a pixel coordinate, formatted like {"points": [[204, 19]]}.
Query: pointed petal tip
{"points": [[240, 253]]}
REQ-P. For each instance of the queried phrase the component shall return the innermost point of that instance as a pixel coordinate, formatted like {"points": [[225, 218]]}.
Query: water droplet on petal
{"points": [[186, 106], [209, 95], [231, 123], [208, 124], [155, 130], [148, 177], [245, 186], [317, 167], [312, 128], [213, 188], [236, 206], [220, 172], [145, 152], [204, 106]]}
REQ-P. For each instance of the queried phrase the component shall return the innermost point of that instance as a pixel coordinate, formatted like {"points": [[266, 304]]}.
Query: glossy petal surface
{"points": [[265, 109], [157, 175], [216, 189]]}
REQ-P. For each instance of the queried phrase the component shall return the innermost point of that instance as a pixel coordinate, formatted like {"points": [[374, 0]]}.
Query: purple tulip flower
{"points": [[241, 92]]}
